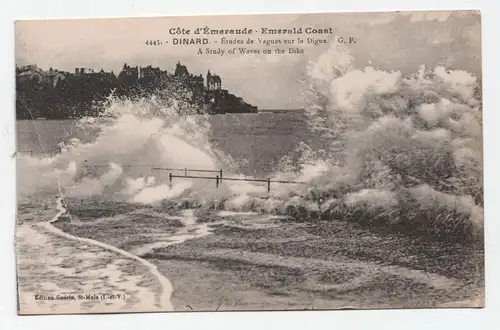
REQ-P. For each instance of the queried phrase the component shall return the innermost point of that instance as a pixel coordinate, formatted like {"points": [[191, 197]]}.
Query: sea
{"points": [[374, 201], [259, 141]]}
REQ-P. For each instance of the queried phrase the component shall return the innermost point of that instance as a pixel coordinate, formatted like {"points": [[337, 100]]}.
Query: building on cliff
{"points": [[52, 90], [209, 92], [214, 82]]}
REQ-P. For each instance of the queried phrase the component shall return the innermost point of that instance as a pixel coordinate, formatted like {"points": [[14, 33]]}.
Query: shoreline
{"points": [[164, 282], [32, 302]]}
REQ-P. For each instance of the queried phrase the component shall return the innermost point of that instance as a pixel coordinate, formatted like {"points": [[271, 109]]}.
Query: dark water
{"points": [[256, 141], [260, 140]]}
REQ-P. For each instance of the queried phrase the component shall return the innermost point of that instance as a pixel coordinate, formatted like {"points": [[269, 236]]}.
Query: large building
{"points": [[211, 93], [214, 82]]}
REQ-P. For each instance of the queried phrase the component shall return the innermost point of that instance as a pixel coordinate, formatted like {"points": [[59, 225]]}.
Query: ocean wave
{"points": [[397, 150]]}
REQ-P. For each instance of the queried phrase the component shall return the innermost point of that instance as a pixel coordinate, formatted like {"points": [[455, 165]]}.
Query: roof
{"points": [[181, 70]]}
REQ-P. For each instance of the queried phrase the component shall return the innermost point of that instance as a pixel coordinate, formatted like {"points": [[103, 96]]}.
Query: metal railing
{"points": [[186, 172], [219, 177]]}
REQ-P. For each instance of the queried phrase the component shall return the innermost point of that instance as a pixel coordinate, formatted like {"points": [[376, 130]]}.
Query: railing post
{"points": [[31, 153], [217, 181], [220, 172], [185, 172], [170, 180], [268, 185]]}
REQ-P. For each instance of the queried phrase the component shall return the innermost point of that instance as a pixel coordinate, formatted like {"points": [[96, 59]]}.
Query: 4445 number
{"points": [[153, 42]]}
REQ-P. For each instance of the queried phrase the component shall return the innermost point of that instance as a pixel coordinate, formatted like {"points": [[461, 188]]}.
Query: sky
{"points": [[390, 41]]}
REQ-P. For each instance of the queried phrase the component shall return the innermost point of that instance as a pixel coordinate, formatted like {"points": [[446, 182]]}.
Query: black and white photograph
{"points": [[327, 161]]}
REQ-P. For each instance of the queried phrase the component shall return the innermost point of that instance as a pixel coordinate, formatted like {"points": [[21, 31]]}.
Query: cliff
{"points": [[56, 94]]}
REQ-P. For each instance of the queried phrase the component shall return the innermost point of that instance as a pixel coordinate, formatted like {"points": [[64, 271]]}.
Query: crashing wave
{"points": [[402, 151]]}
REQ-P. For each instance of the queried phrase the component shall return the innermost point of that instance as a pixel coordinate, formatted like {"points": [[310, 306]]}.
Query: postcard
{"points": [[319, 161]]}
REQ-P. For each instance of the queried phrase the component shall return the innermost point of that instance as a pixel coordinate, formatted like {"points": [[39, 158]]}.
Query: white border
{"points": [[390, 319]]}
